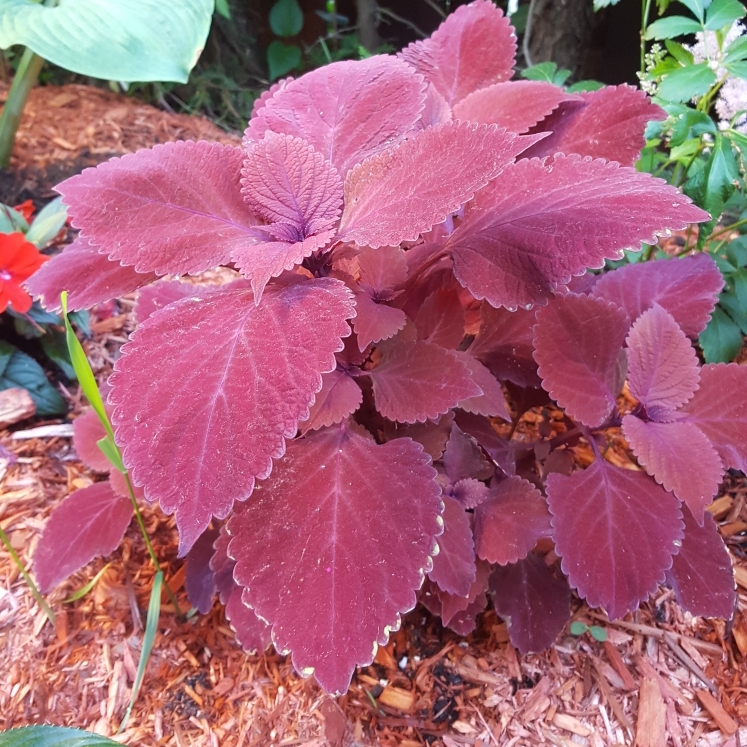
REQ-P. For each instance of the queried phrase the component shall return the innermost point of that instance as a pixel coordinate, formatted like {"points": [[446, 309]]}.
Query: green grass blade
{"points": [[76, 595]]}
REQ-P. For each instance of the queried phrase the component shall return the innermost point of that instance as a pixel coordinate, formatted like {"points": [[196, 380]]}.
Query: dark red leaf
{"points": [[492, 401], [333, 547], [375, 321], [348, 111], [579, 348], [534, 603], [615, 530], [404, 191], [175, 209], [199, 579], [454, 565], [230, 384], [701, 573], [509, 523], [453, 604], [687, 288], [382, 269], [679, 457], [431, 435], [463, 622], [157, 295], [440, 319], [463, 458], [90, 522], [339, 397], [530, 231], [473, 48], [470, 492], [500, 450], [418, 380], [87, 432], [88, 276]]}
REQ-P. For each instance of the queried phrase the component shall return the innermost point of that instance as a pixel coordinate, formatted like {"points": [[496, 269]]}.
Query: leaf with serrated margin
{"points": [[516, 105], [615, 530], [663, 371], [174, 209], [669, 453], [382, 269], [492, 401], [501, 451], [375, 321], [334, 546], [462, 457], [454, 565], [416, 381], [453, 604], [432, 435], [687, 288], [87, 432], [534, 603], [403, 192], [90, 522], [153, 297], [348, 111], [463, 622], [473, 48], [202, 420], [199, 578], [470, 492], [719, 409], [441, 320], [88, 276], [265, 96], [530, 231], [701, 574], [509, 523], [611, 125], [339, 397], [436, 110], [578, 344]]}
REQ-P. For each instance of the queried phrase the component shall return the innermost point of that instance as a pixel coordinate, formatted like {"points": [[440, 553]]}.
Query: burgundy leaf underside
{"points": [[440, 319], [432, 435], [454, 565], [229, 387], [492, 401], [90, 522], [333, 547], [458, 612], [615, 530], [530, 231], [339, 397], [87, 432], [462, 457], [199, 579]]}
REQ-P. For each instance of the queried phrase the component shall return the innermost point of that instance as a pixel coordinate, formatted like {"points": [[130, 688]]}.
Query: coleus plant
{"points": [[410, 236]]}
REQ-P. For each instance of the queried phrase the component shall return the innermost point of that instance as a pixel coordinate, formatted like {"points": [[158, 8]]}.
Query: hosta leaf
{"points": [[470, 492], [88, 276], [509, 523], [516, 105], [175, 209], [440, 319], [339, 397], [382, 269], [473, 48], [581, 363], [615, 530], [52, 736], [90, 522], [333, 547], [687, 288], [347, 111], [153, 297], [87, 432], [375, 321], [534, 603], [663, 371], [668, 451], [417, 381], [462, 457], [719, 409], [701, 573], [454, 565], [403, 192], [538, 225], [231, 383], [492, 401], [199, 579]]}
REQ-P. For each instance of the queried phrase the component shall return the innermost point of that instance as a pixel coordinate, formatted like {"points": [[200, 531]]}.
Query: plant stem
{"points": [[645, 9], [25, 78], [29, 581]]}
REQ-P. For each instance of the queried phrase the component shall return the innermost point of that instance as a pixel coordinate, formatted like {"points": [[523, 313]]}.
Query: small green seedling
{"points": [[578, 628]]}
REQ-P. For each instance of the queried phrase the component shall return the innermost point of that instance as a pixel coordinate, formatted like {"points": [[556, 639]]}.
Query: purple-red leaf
{"points": [[687, 288], [87, 432], [199, 578], [157, 295], [615, 530], [339, 397], [375, 321], [90, 522], [679, 457], [473, 48], [463, 458], [534, 603], [701, 573], [470, 492], [436, 110], [578, 346], [509, 523], [416, 381], [663, 371], [404, 191], [348, 111], [492, 401], [204, 418], [431, 435], [175, 209], [454, 565], [333, 547], [539, 224], [382, 269], [516, 105], [500, 450], [453, 604], [440, 319], [88, 276]]}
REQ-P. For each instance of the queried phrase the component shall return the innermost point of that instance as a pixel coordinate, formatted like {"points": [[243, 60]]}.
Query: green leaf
{"points": [[80, 593], [723, 13], [111, 452], [585, 85], [82, 320], [11, 220], [687, 83], [286, 18], [682, 55], [578, 627], [697, 7], [737, 50], [739, 280], [738, 69], [47, 224], [53, 736], [738, 314], [669, 28], [223, 9], [125, 40], [282, 58], [54, 345], [598, 634], [546, 71], [20, 370], [721, 340], [736, 251], [691, 124], [599, 4]]}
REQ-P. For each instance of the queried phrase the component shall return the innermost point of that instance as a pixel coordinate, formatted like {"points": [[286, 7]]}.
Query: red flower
{"points": [[19, 259], [26, 209]]}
